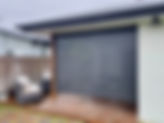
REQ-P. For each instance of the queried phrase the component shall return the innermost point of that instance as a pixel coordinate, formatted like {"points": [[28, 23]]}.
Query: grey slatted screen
{"points": [[100, 64]]}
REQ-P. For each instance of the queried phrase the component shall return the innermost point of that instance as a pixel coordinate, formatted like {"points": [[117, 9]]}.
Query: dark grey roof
{"points": [[115, 15]]}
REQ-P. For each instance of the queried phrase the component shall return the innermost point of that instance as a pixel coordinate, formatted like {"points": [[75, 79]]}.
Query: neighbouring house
{"points": [[21, 55], [116, 55], [18, 44]]}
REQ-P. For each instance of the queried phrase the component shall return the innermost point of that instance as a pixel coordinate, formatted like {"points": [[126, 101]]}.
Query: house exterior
{"points": [[19, 44], [117, 55]]}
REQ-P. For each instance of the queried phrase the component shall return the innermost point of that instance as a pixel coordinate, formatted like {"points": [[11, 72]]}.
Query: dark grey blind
{"points": [[100, 64]]}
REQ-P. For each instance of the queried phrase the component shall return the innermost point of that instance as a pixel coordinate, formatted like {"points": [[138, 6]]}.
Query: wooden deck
{"points": [[90, 110]]}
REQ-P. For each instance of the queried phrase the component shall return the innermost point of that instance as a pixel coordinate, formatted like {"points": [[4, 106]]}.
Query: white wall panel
{"points": [[151, 73]]}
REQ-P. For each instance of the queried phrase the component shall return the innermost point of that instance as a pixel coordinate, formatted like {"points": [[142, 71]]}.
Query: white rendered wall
{"points": [[151, 73]]}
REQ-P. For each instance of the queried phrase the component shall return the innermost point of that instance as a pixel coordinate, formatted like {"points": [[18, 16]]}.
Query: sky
{"points": [[14, 12]]}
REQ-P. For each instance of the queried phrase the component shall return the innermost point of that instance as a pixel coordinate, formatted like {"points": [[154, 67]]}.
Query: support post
{"points": [[53, 65]]}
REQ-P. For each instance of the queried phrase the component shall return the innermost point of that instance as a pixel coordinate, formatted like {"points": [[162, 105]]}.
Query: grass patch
{"points": [[14, 114]]}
